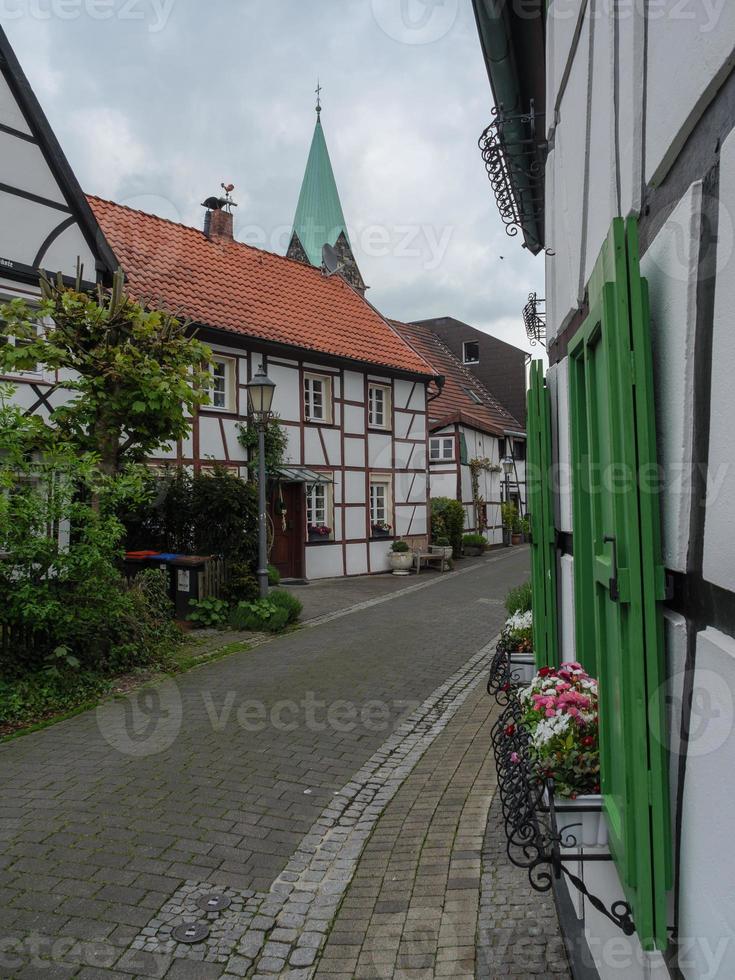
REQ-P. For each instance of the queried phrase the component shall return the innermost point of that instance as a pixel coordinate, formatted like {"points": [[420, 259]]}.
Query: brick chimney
{"points": [[218, 219], [218, 224]]}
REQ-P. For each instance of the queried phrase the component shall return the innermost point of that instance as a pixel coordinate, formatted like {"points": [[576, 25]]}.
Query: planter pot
{"points": [[522, 668], [440, 549], [581, 822], [516, 538], [470, 552], [318, 537], [401, 562], [506, 537], [377, 532]]}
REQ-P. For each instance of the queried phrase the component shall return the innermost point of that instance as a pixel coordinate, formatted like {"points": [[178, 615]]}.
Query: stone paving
{"points": [[216, 778]]}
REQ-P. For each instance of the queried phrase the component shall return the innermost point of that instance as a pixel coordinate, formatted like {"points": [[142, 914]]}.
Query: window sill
{"points": [[321, 542], [214, 410], [386, 430]]}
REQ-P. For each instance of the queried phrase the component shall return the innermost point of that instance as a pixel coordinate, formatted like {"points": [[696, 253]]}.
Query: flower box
{"points": [[380, 532], [321, 533], [581, 821], [522, 667]]}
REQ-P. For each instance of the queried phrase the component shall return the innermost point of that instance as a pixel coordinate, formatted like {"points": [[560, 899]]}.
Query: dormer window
{"points": [[471, 352]]}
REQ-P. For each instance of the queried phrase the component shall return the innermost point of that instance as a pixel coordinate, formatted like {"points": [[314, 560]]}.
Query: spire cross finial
{"points": [[318, 91]]}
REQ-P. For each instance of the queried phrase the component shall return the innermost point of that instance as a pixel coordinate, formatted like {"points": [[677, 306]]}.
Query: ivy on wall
{"points": [[481, 465]]}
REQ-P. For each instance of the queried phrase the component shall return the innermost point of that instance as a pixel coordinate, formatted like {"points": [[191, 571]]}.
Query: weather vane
{"points": [[227, 203], [318, 91]]}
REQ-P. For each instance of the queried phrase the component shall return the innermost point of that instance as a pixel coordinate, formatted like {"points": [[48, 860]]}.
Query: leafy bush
{"points": [[207, 612], [442, 542], [261, 616], [285, 600], [509, 515], [474, 541], [399, 547], [519, 600], [447, 520], [274, 576], [242, 584]]}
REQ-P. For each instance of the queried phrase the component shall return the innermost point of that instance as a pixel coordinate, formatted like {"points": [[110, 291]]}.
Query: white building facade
{"points": [[633, 116]]}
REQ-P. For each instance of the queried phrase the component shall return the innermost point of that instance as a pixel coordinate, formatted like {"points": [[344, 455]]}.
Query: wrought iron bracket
{"points": [[534, 319], [535, 842]]}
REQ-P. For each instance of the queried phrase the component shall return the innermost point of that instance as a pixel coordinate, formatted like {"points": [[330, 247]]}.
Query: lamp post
{"points": [[260, 399], [507, 463]]}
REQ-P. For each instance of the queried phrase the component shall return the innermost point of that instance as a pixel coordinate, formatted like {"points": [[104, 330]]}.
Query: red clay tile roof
{"points": [[455, 404], [232, 286]]}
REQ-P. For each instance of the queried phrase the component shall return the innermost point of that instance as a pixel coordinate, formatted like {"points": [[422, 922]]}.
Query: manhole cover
{"points": [[213, 903], [191, 932]]}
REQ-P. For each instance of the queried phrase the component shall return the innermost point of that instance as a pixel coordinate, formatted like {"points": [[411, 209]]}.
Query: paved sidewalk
{"points": [[216, 778]]}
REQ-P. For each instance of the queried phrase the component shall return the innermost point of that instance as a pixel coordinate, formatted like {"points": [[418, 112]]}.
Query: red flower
{"points": [[544, 672], [510, 729], [588, 740]]}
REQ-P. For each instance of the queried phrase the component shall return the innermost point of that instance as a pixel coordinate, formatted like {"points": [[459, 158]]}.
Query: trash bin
{"points": [[185, 571], [136, 561]]}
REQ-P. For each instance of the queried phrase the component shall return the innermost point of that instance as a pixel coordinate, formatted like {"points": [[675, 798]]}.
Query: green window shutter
{"points": [[464, 456], [541, 512], [619, 573]]}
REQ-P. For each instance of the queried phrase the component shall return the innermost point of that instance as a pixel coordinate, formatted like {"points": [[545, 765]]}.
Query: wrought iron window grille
{"points": [[534, 319], [535, 841], [514, 153]]}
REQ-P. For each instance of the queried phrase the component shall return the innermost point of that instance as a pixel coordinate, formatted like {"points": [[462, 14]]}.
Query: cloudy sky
{"points": [[157, 101]]}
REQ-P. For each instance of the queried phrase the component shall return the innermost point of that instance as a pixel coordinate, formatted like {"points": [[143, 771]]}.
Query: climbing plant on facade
{"points": [[477, 466]]}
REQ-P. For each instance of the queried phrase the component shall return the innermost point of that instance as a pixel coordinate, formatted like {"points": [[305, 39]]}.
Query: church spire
{"points": [[319, 217]]}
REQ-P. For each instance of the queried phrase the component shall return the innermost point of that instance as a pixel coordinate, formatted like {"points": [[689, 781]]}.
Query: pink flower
{"points": [[515, 758]]}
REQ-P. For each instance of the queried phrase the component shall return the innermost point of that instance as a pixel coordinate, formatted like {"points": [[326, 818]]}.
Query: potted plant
{"points": [[516, 536], [380, 529], [561, 716], [508, 512], [516, 641], [401, 558], [319, 532], [473, 545], [526, 528], [442, 546]]}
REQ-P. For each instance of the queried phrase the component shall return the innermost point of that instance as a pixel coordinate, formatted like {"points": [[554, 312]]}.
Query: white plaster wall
{"points": [[631, 43], [569, 158], [23, 227], [354, 384], [293, 449], [719, 530], [379, 450], [410, 488], [333, 446], [379, 556], [210, 438], [287, 397], [567, 643], [671, 265], [690, 53], [443, 484], [558, 381], [324, 561], [355, 523], [63, 253], [337, 488], [22, 165], [235, 450], [354, 420], [561, 25], [354, 452], [354, 487], [707, 911], [401, 423], [602, 206], [356, 555], [313, 452], [10, 113]]}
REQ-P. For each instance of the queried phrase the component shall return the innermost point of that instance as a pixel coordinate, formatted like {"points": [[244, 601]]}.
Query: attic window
{"points": [[474, 396], [471, 352]]}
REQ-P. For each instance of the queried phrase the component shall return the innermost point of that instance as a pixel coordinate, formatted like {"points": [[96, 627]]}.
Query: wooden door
{"points": [[289, 530]]}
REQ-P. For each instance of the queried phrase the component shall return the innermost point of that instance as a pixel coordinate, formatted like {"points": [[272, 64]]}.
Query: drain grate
{"points": [[191, 933], [213, 902]]}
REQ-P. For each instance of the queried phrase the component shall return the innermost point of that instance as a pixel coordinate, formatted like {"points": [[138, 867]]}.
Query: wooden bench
{"points": [[428, 558]]}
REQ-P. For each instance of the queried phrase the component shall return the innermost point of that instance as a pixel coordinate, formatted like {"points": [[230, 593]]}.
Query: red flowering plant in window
{"points": [[321, 530], [561, 717]]}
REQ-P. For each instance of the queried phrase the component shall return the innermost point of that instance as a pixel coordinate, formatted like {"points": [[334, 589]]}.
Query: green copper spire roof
{"points": [[319, 218]]}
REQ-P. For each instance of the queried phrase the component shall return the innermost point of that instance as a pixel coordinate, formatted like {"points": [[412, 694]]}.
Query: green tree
{"points": [[135, 374]]}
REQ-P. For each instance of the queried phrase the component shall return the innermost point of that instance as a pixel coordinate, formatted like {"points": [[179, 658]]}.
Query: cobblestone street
{"points": [[333, 784]]}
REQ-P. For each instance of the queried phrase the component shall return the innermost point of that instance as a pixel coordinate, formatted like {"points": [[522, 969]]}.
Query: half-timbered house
{"points": [[351, 393]]}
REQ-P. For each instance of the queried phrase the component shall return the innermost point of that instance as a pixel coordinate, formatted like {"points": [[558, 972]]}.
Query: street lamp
{"points": [[507, 464], [260, 400]]}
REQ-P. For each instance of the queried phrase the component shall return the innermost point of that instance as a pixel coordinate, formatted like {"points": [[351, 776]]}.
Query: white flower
{"points": [[519, 621]]}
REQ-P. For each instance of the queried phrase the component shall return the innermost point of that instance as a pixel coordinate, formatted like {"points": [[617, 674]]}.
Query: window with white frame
{"points": [[317, 398], [222, 387], [318, 511], [380, 505], [379, 408], [441, 448]]}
